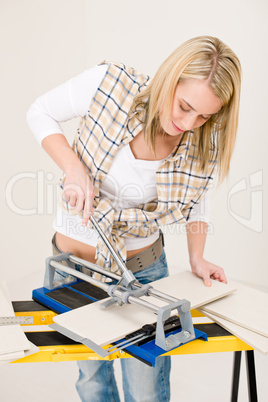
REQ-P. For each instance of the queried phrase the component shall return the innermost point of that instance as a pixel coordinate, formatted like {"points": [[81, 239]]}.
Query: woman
{"points": [[145, 154]]}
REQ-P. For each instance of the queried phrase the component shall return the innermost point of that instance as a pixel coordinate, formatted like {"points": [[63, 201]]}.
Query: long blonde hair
{"points": [[203, 57]]}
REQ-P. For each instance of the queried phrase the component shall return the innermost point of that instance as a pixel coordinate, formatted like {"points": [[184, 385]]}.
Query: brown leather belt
{"points": [[146, 257]]}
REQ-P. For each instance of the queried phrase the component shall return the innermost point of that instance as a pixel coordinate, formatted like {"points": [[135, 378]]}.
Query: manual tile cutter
{"points": [[160, 337]]}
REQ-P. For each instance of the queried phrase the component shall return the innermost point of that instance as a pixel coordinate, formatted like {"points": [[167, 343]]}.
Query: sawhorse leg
{"points": [[251, 376], [236, 375]]}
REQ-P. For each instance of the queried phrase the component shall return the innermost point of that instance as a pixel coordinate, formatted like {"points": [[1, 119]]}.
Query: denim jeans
{"points": [[96, 381]]}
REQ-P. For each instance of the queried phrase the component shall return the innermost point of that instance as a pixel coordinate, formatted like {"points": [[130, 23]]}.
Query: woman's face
{"points": [[193, 104]]}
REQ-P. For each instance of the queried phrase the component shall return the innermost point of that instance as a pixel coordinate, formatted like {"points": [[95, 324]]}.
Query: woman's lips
{"points": [[177, 128]]}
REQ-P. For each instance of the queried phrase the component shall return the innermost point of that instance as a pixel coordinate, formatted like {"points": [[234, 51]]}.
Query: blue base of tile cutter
{"points": [[149, 352]]}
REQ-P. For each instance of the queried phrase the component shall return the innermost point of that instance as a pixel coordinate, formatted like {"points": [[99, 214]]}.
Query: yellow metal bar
{"points": [[46, 317], [61, 353], [196, 313]]}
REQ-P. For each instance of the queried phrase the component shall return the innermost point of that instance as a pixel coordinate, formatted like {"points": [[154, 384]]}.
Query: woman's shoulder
{"points": [[121, 70]]}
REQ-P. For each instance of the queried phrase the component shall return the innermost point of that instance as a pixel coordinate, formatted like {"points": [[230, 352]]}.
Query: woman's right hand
{"points": [[78, 191]]}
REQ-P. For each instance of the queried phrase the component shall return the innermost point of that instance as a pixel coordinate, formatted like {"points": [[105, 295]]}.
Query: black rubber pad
{"points": [[212, 329], [28, 305], [90, 290], [49, 338], [69, 298]]}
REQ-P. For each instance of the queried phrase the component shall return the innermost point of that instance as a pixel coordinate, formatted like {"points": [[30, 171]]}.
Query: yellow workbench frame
{"points": [[59, 353]]}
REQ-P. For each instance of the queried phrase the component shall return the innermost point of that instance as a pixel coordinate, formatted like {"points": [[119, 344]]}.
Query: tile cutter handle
{"points": [[127, 276]]}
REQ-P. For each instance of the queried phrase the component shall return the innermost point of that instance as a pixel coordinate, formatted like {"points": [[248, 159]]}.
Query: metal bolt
{"points": [[187, 334], [167, 344], [43, 319]]}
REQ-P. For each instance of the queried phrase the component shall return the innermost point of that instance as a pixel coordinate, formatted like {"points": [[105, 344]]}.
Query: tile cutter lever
{"points": [[128, 278], [127, 290]]}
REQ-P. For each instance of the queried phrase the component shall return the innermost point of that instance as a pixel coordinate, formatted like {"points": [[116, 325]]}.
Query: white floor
{"points": [[206, 378]]}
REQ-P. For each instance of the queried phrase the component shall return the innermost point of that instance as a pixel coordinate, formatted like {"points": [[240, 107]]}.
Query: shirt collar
{"points": [[181, 151]]}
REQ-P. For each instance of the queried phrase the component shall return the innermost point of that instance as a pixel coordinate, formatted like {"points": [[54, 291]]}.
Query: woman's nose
{"points": [[188, 122]]}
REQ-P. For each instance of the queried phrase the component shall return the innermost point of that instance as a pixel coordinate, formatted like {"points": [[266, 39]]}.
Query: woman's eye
{"points": [[188, 110], [184, 110]]}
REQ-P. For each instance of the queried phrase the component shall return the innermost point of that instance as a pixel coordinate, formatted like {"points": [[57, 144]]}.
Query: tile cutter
{"points": [[127, 291]]}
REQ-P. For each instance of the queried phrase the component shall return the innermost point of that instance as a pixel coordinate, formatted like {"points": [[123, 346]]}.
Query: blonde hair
{"points": [[203, 57]]}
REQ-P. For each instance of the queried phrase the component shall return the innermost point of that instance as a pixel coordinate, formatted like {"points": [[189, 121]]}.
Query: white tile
{"points": [[12, 337], [246, 307], [105, 326]]}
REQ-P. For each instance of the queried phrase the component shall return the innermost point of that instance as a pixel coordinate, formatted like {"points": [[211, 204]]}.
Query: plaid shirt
{"points": [[105, 128]]}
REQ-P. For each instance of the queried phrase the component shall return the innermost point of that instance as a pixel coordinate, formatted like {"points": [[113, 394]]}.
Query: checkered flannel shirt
{"points": [[105, 128]]}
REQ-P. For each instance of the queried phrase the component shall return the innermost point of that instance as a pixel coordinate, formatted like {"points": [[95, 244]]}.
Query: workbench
{"points": [[55, 347]]}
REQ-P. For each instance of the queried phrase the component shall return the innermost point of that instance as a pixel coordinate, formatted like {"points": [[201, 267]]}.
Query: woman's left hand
{"points": [[207, 271]]}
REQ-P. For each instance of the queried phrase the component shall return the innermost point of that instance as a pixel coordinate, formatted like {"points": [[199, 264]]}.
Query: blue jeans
{"points": [[96, 381]]}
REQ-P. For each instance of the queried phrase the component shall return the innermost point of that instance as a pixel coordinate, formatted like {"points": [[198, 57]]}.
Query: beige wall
{"points": [[44, 46], [142, 34], [49, 42]]}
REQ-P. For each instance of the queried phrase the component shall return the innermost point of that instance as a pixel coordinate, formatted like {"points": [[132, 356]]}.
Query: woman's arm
{"points": [[65, 102], [78, 189], [196, 238], [60, 104]]}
